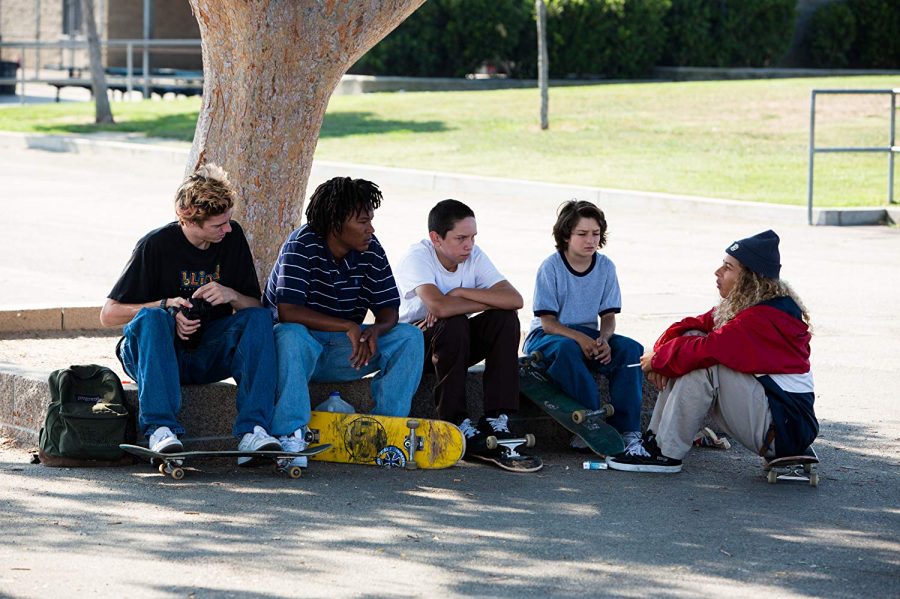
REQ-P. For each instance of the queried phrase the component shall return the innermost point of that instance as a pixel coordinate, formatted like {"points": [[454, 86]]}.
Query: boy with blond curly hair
{"points": [[189, 298]]}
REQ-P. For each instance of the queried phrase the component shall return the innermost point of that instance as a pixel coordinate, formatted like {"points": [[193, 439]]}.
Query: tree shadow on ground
{"points": [[343, 124], [563, 533], [181, 126]]}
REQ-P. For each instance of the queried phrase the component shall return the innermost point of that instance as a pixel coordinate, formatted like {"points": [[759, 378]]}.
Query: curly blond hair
{"points": [[751, 289], [207, 192]]}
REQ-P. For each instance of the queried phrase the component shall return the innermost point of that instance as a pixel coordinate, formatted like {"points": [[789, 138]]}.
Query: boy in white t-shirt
{"points": [[443, 280]]}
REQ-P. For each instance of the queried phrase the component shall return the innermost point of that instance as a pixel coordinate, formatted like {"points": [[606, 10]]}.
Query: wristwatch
{"points": [[162, 303]]}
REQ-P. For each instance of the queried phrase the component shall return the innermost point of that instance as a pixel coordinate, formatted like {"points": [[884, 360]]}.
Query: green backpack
{"points": [[87, 418]]}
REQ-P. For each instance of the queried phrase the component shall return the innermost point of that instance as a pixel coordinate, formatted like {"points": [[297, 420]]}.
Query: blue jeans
{"points": [[306, 356], [571, 371], [239, 346]]}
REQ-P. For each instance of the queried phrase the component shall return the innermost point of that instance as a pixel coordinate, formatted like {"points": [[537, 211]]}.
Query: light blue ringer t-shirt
{"points": [[576, 298]]}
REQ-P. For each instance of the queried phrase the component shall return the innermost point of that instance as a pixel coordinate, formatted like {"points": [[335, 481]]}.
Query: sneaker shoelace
{"points": [[467, 429], [500, 423], [636, 448]]}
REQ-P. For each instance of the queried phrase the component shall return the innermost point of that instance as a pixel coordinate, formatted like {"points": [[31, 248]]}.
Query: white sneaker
{"points": [[163, 440], [258, 440], [296, 442]]}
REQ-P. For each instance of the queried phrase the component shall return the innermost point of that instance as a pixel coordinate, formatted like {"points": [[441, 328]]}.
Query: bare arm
{"points": [[116, 314], [217, 294], [502, 296]]}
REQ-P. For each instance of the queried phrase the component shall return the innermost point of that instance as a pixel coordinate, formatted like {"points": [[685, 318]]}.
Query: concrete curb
{"points": [[456, 184], [208, 411], [50, 319]]}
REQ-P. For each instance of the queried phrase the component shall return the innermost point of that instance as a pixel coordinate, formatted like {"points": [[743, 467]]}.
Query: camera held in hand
{"points": [[199, 309]]}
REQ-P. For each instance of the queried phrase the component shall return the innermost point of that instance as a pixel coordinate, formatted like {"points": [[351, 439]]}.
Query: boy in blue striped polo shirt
{"points": [[329, 274]]}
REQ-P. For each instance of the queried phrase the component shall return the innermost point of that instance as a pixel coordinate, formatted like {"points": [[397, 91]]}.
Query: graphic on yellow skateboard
{"points": [[387, 441]]}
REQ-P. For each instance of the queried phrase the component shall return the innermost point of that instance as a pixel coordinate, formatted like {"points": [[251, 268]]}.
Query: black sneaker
{"points": [[497, 427], [645, 458], [475, 437]]}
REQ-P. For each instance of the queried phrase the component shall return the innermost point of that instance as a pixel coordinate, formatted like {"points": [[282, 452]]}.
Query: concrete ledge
{"points": [[50, 319], [851, 217], [208, 411]]}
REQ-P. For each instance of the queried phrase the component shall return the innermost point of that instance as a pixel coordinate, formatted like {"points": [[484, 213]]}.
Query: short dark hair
{"points": [[446, 214], [336, 200], [568, 216]]}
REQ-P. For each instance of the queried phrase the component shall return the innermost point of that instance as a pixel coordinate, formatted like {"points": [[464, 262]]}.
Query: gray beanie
{"points": [[758, 253]]}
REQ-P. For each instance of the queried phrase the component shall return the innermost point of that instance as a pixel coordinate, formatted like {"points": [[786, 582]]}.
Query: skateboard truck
{"points": [[413, 442]]}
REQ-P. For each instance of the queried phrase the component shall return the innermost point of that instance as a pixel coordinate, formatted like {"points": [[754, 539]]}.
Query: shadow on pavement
{"points": [[560, 533]]}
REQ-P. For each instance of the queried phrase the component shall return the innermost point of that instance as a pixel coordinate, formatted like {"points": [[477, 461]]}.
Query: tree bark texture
{"points": [[269, 69], [543, 60], [102, 111]]}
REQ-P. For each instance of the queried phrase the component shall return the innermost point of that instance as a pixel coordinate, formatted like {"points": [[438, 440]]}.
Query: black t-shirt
{"points": [[165, 264]]}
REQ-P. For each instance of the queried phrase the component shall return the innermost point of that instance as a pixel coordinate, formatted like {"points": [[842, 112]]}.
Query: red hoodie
{"points": [[762, 339]]}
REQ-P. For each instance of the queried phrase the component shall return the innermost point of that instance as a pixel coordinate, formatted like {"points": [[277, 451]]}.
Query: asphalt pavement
{"points": [[69, 223]]}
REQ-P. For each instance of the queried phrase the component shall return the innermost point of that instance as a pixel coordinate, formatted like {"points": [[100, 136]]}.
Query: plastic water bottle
{"points": [[335, 403]]}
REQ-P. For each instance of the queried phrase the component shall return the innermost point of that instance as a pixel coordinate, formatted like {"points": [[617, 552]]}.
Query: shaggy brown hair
{"points": [[751, 289], [205, 193], [568, 216]]}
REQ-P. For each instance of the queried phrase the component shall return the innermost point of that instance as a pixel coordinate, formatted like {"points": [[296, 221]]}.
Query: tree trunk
{"points": [[102, 111], [543, 60], [269, 69]]}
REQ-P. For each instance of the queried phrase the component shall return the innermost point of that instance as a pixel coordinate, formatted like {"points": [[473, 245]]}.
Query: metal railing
{"points": [[146, 78], [892, 149]]}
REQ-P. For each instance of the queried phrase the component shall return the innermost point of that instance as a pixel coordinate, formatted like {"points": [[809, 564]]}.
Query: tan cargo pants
{"points": [[736, 401]]}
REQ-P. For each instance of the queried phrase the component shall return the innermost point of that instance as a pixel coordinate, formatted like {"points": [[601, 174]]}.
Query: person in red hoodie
{"points": [[746, 362]]}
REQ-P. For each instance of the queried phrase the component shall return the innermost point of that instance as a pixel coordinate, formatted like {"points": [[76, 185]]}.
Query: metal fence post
{"points": [[892, 149], [129, 64], [812, 153]]}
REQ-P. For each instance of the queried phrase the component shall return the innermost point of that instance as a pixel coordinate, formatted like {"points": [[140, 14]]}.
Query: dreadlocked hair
{"points": [[751, 289], [205, 193], [338, 199]]}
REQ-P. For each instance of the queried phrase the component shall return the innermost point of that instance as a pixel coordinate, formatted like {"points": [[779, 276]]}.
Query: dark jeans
{"points": [[453, 344]]}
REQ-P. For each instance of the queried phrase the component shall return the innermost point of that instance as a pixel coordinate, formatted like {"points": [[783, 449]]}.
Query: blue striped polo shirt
{"points": [[306, 274]]}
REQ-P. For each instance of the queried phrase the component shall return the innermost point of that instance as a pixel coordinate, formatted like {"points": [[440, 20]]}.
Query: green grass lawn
{"points": [[745, 140]]}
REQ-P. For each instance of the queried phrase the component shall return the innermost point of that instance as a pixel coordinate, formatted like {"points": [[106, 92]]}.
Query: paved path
{"points": [[69, 224]]}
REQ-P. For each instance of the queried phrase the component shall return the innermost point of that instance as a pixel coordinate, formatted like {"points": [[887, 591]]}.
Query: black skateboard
{"points": [[172, 463], [798, 468], [504, 454]]}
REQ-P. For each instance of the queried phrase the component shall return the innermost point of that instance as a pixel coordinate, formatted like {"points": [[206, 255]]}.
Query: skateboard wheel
{"points": [[807, 468], [772, 476], [177, 473], [162, 468], [609, 409], [535, 357], [529, 440], [578, 416], [295, 472], [410, 465], [412, 424], [491, 442], [814, 479]]}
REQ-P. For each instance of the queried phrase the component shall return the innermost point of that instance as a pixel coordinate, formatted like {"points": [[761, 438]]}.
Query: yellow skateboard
{"points": [[386, 441]]}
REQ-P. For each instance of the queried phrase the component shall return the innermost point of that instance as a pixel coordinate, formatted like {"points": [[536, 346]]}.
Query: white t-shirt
{"points": [[420, 266]]}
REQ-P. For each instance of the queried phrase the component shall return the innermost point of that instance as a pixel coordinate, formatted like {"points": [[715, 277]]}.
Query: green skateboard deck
{"points": [[590, 425]]}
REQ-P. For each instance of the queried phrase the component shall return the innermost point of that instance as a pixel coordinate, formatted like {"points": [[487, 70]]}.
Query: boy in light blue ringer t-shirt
{"points": [[575, 286]]}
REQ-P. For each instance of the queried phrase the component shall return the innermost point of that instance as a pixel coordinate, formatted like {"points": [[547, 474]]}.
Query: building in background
{"points": [[62, 20]]}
